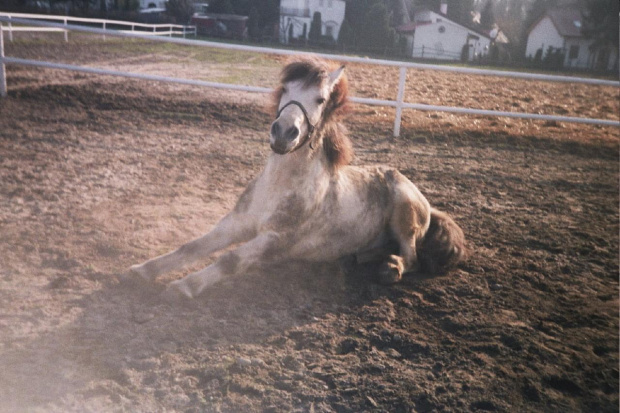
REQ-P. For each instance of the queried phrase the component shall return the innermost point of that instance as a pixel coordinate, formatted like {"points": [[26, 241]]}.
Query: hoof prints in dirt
{"points": [[95, 180]]}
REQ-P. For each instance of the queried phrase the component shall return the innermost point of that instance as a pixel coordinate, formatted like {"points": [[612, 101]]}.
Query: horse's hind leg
{"points": [[408, 224]]}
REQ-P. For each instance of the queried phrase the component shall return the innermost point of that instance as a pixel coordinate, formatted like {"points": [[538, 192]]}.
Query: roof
{"points": [[567, 21], [411, 27]]}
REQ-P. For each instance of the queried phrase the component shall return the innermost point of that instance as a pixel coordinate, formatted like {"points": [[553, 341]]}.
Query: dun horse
{"points": [[310, 204]]}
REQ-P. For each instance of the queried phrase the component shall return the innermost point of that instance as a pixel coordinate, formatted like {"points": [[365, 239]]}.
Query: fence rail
{"points": [[399, 104], [143, 28]]}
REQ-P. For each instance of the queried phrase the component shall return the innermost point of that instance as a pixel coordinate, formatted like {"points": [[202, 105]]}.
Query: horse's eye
{"points": [[284, 90], [320, 101]]}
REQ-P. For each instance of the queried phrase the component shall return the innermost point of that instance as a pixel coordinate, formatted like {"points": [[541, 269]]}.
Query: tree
{"points": [[378, 34], [254, 24], [460, 10], [367, 26], [600, 22], [181, 10], [487, 15], [221, 7], [315, 28], [346, 37], [429, 4]]}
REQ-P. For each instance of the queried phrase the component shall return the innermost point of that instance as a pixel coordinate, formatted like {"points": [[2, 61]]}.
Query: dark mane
{"points": [[313, 71]]}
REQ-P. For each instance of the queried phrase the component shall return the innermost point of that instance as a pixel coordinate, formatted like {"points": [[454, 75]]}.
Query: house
{"points": [[296, 17], [559, 31], [432, 35]]}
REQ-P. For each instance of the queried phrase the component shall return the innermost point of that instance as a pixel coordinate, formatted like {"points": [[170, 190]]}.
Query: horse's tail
{"points": [[443, 245]]}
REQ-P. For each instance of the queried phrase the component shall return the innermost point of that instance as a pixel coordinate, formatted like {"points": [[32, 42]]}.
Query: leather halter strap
{"points": [[311, 127]]}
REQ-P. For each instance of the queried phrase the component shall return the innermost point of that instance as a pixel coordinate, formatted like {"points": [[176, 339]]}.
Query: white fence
{"points": [[399, 103], [142, 28]]}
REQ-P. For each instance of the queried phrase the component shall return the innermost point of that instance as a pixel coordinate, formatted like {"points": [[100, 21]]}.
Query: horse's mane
{"points": [[313, 71]]}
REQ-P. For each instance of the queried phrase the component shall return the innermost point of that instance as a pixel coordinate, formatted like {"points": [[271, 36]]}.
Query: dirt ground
{"points": [[100, 173]]}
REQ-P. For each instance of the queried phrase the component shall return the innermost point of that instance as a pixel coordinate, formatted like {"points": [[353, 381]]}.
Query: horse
{"points": [[310, 204]]}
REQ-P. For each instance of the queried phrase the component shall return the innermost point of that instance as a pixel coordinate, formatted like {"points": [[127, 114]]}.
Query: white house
{"points": [[432, 35], [296, 17], [561, 30]]}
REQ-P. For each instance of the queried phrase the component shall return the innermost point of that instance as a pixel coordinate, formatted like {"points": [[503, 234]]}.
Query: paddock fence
{"points": [[399, 104], [133, 27]]}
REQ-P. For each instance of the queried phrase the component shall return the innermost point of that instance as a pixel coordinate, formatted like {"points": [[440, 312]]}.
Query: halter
{"points": [[311, 127]]}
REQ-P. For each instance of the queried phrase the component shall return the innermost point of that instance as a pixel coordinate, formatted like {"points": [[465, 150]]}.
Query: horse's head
{"points": [[309, 93]]}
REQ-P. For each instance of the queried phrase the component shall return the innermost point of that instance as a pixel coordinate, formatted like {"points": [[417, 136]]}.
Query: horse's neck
{"points": [[303, 167]]}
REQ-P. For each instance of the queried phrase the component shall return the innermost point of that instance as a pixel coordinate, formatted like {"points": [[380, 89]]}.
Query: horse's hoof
{"points": [[177, 293], [391, 271], [138, 271], [389, 276]]}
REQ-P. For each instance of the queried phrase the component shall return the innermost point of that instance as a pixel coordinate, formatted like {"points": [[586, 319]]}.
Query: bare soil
{"points": [[101, 173]]}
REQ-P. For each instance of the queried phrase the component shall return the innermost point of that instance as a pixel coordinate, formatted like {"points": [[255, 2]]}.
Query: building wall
{"points": [[582, 58], [576, 49], [444, 40], [542, 36], [296, 13]]}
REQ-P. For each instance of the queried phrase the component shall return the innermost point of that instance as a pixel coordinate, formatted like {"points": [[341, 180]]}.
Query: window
{"points": [[329, 31], [573, 52]]}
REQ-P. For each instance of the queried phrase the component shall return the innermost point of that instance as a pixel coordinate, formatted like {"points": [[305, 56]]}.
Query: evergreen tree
{"points": [[378, 34], [181, 10], [460, 10], [429, 4], [221, 7], [315, 28], [367, 27], [254, 24], [601, 22], [347, 37], [487, 15]]}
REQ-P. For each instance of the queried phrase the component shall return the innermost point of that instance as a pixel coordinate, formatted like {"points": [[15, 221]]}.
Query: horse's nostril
{"points": [[275, 129], [292, 133]]}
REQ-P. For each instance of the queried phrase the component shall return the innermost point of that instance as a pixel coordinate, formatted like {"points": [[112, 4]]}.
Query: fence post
{"points": [[104, 29], [66, 32], [2, 70], [399, 100], [10, 30]]}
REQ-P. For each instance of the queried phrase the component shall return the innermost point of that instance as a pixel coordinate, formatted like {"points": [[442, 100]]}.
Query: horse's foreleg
{"points": [[230, 230], [237, 261]]}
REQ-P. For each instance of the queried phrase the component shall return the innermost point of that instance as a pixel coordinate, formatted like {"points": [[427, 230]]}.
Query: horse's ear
{"points": [[335, 76]]}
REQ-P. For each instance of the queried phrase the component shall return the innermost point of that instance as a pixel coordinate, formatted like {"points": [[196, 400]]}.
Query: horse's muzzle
{"points": [[281, 139]]}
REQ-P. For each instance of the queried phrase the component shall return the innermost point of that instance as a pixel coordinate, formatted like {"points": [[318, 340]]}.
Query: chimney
{"points": [[443, 8]]}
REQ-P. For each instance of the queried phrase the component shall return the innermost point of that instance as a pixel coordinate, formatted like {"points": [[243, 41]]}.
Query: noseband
{"points": [[311, 127]]}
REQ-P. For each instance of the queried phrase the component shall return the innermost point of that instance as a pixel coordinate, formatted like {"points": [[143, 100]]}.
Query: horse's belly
{"points": [[332, 238]]}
